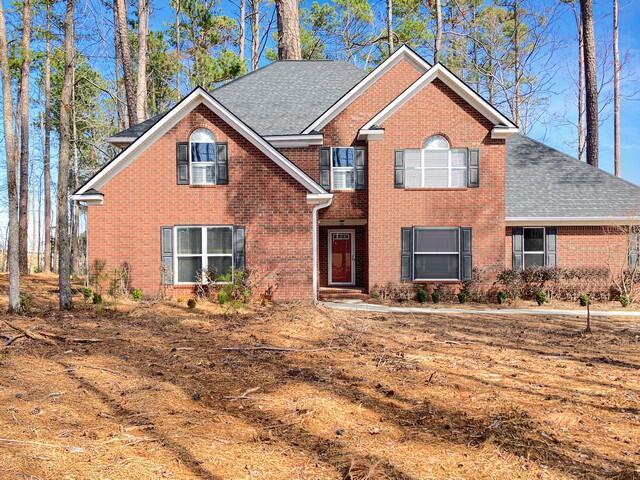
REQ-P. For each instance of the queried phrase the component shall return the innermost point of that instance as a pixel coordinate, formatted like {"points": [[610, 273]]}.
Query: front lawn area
{"points": [[296, 392]]}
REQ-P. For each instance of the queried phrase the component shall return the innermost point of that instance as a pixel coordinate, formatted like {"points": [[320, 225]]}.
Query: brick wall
{"points": [[583, 246], [260, 195]]}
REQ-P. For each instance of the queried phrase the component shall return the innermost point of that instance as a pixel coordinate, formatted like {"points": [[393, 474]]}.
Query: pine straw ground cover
{"points": [[175, 393]]}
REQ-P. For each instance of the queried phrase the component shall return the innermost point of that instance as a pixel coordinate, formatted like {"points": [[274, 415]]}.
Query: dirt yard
{"points": [[295, 392]]}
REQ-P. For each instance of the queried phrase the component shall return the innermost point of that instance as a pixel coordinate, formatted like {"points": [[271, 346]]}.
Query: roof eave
{"points": [[571, 221]]}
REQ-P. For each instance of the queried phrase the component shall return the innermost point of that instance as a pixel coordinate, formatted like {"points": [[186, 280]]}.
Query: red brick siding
{"points": [[360, 253], [262, 196], [436, 109], [583, 246]]}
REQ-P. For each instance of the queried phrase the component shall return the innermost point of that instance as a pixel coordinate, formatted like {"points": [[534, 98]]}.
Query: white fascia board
{"points": [[91, 199], [403, 52], [569, 221], [294, 140], [319, 198], [502, 133], [121, 141], [374, 134], [453, 82], [186, 105]]}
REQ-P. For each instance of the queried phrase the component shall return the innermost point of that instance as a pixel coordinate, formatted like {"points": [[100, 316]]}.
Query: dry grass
{"points": [[361, 396]]}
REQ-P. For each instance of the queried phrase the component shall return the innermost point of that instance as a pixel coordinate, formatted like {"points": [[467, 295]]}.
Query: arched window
{"points": [[436, 165], [203, 153]]}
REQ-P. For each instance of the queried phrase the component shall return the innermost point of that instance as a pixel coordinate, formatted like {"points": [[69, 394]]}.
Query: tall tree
{"points": [[13, 264], [438, 39], [242, 22], [289, 46], [255, 34], [143, 36], [125, 52], [64, 247], [616, 91], [591, 82], [46, 156], [24, 137], [390, 25]]}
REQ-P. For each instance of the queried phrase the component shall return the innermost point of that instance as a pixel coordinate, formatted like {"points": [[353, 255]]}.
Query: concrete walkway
{"points": [[369, 307]]}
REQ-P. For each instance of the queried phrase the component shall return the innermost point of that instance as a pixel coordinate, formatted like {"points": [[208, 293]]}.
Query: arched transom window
{"points": [[203, 154], [436, 165]]}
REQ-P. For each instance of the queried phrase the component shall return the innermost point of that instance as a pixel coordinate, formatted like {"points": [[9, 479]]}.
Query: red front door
{"points": [[341, 257]]}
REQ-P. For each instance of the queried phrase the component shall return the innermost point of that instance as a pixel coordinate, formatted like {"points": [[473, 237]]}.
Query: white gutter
{"points": [[569, 221], [322, 200]]}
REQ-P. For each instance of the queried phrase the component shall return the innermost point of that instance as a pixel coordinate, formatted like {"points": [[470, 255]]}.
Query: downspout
{"points": [[320, 201]]}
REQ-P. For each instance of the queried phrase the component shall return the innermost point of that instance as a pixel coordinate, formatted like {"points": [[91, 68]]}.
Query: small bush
{"points": [[624, 300], [502, 297], [191, 303], [97, 299], [462, 297], [26, 300], [136, 293], [223, 297], [541, 298], [87, 294], [421, 295], [435, 296], [236, 290], [395, 292], [584, 300]]}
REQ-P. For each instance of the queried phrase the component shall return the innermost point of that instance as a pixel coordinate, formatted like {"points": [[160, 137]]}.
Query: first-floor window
{"points": [[203, 250], [533, 246], [436, 254]]}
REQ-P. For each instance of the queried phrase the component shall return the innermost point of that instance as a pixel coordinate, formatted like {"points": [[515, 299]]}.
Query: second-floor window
{"points": [[343, 168], [203, 153], [436, 165]]}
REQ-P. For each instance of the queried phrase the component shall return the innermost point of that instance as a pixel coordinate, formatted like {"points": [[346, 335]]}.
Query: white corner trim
{"points": [[371, 134], [89, 199], [503, 132], [403, 52], [285, 141], [569, 221], [319, 198], [120, 141], [453, 82], [196, 97]]}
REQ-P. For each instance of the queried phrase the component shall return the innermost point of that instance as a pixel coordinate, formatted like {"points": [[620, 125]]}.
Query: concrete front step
{"points": [[335, 293]]}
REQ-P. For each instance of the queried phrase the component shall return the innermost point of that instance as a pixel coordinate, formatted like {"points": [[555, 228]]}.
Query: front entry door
{"points": [[341, 271]]}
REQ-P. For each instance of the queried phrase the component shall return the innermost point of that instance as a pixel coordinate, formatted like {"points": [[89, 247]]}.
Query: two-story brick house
{"points": [[329, 176]]}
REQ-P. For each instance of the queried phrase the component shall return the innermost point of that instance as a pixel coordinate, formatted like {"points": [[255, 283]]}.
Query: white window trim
{"points": [[343, 169], [450, 168], [203, 255], [204, 164], [544, 247], [353, 257], [414, 253]]}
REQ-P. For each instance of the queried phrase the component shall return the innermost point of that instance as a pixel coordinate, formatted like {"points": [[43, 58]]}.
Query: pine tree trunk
{"points": [[255, 34], [123, 34], [289, 47], [141, 84], [516, 63], [591, 83], [616, 91], [178, 54], [24, 138], [62, 227], [390, 25], [242, 23], [46, 157], [13, 264], [123, 121], [438, 41]]}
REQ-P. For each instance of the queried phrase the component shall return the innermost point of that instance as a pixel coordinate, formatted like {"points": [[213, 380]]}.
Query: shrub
{"points": [[236, 290], [624, 300], [473, 287], [512, 282], [541, 297], [421, 295], [396, 292], [97, 299], [121, 281], [223, 297], [502, 297], [87, 294], [584, 300], [136, 293], [191, 303], [462, 297], [97, 274], [26, 301], [435, 296]]}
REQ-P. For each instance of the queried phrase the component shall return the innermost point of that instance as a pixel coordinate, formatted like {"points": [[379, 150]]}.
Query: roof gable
{"points": [[403, 53], [197, 97], [503, 125]]}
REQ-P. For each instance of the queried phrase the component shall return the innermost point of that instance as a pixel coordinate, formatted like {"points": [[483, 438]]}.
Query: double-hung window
{"points": [[436, 254], [533, 247], [343, 168], [203, 154], [436, 165], [203, 250]]}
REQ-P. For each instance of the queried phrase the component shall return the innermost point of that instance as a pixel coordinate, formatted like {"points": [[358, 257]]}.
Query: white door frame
{"points": [[353, 256]]}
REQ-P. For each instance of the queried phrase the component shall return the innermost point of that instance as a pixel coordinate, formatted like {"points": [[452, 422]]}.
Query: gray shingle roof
{"points": [[282, 98], [543, 182]]}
